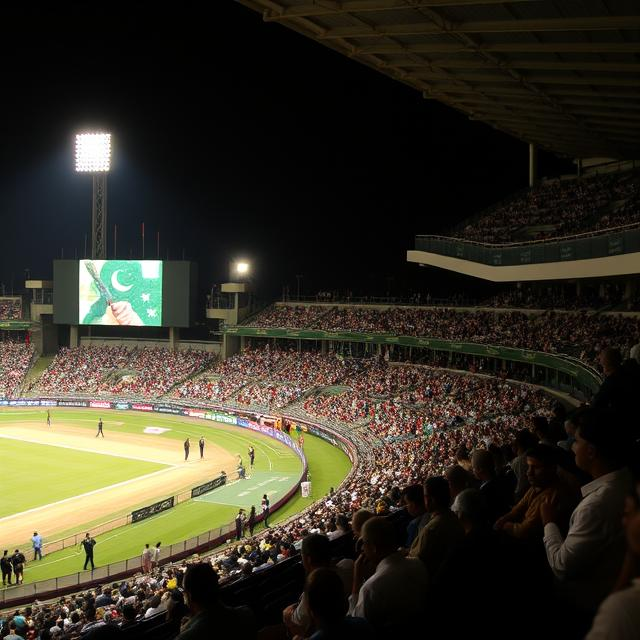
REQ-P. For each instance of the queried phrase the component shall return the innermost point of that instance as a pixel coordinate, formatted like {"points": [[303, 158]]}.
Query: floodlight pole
{"points": [[99, 217]]}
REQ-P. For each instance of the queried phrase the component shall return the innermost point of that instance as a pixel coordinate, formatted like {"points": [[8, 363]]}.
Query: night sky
{"points": [[232, 137]]}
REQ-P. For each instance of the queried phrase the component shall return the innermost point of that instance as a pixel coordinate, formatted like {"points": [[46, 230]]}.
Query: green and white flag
{"points": [[117, 292]]}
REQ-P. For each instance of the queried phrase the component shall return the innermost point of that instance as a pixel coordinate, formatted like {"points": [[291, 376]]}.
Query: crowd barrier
{"points": [[605, 243]]}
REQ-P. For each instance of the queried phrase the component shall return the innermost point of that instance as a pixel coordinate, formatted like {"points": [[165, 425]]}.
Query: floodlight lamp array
{"points": [[242, 268], [93, 152]]}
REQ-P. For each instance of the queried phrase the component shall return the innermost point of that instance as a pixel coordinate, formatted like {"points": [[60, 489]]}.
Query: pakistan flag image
{"points": [[121, 292]]}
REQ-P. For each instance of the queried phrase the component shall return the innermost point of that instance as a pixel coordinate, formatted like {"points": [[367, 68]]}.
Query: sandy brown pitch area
{"points": [[52, 519]]}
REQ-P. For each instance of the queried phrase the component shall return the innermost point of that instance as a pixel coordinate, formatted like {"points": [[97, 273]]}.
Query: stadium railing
{"points": [[595, 244], [581, 376]]}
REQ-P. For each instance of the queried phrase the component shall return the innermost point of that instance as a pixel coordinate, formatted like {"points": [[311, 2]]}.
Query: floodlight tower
{"points": [[93, 155]]}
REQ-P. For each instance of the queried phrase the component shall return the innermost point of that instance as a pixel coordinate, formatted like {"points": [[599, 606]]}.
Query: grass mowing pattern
{"points": [[55, 474], [328, 465]]}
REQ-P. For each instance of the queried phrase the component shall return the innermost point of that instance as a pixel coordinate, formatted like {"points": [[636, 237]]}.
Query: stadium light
{"points": [[93, 152], [93, 155], [242, 268]]}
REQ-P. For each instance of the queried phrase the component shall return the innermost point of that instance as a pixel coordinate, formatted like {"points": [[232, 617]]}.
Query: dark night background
{"points": [[232, 138]]}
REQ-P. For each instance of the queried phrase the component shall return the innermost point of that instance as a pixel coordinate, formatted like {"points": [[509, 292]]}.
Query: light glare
{"points": [[93, 152], [242, 267]]}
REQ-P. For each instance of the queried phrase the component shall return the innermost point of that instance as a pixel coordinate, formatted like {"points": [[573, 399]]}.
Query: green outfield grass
{"points": [[274, 462], [83, 472]]}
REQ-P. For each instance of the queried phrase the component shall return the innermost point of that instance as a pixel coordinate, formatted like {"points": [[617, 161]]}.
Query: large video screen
{"points": [[137, 293], [120, 292]]}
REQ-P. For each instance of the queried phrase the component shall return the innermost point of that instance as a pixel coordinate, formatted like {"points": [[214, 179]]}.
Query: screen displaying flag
{"points": [[120, 292]]}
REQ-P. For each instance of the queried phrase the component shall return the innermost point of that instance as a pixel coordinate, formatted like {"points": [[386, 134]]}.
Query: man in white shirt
{"points": [[393, 598], [587, 561]]}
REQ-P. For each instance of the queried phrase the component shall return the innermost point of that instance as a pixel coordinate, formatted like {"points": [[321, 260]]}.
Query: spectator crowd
{"points": [[576, 333], [15, 360], [10, 308], [145, 372], [559, 208]]}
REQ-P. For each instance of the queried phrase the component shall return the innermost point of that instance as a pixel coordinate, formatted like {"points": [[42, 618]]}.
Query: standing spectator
{"points": [[156, 555], [18, 561], [147, 558], [251, 522], [265, 510], [587, 560], [87, 544], [240, 519], [7, 568], [36, 540]]}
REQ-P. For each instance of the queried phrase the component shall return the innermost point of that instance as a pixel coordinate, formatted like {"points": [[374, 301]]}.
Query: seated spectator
{"points": [[616, 393], [316, 554], [475, 586], [459, 479], [129, 616], [523, 521], [93, 622], [570, 430], [442, 532], [343, 528], [209, 617], [413, 501], [523, 441], [392, 599], [328, 607], [496, 490]]}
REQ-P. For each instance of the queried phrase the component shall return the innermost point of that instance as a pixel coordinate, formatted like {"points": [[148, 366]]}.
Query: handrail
{"points": [[503, 245]]}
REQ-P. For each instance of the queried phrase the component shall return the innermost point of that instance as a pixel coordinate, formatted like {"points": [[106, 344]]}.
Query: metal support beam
{"points": [[533, 165], [598, 23], [277, 13], [99, 217]]}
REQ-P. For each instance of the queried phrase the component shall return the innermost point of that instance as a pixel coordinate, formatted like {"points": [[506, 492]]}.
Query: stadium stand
{"points": [[559, 208], [15, 360], [10, 308], [579, 334], [119, 370]]}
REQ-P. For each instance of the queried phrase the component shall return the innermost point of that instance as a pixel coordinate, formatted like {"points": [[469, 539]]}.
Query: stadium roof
{"points": [[563, 74]]}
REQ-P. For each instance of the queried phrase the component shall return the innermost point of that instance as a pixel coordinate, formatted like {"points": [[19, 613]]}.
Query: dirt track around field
{"points": [[73, 512]]}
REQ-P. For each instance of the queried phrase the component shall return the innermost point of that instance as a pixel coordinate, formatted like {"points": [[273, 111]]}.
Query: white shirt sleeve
{"points": [[569, 556]]}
